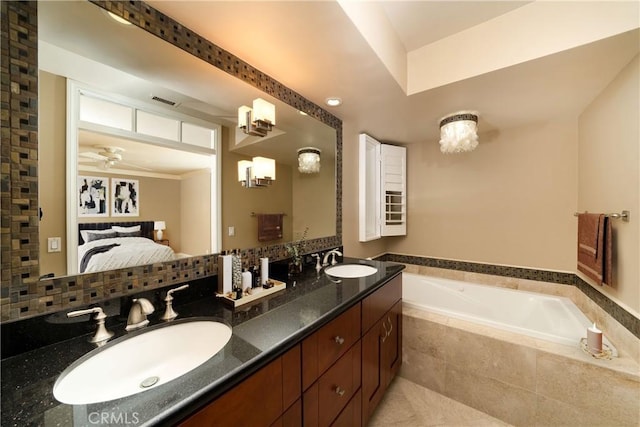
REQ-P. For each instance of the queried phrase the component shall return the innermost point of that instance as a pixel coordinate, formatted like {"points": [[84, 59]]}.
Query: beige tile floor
{"points": [[409, 405]]}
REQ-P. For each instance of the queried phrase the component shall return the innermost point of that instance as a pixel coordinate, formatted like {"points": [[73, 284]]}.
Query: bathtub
{"points": [[552, 318], [547, 380]]}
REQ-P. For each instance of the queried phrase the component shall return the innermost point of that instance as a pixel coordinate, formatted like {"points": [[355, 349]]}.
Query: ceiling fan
{"points": [[107, 157]]}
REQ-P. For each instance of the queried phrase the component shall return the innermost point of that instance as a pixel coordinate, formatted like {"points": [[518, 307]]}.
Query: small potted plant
{"points": [[295, 250]]}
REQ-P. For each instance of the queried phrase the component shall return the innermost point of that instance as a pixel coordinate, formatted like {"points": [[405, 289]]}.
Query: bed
{"points": [[112, 245]]}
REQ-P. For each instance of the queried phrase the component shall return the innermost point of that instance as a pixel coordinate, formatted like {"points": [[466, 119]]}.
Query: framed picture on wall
{"points": [[125, 197], [93, 196]]}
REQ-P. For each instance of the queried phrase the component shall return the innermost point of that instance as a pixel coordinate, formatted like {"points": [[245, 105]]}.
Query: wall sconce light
{"points": [[259, 120], [159, 226], [309, 160], [259, 172], [458, 132]]}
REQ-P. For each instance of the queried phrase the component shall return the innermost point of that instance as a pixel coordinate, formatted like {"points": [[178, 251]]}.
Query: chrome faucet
{"points": [[102, 335], [169, 313], [140, 309], [333, 253]]}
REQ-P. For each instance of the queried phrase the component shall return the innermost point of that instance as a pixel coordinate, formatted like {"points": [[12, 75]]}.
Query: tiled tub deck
{"points": [[518, 379]]}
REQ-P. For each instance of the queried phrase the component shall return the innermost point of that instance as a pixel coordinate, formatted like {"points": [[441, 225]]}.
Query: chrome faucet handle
{"points": [[318, 265], [169, 313], [140, 308], [102, 335]]}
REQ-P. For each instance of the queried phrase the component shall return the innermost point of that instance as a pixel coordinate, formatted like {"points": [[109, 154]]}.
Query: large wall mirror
{"points": [[81, 48]]}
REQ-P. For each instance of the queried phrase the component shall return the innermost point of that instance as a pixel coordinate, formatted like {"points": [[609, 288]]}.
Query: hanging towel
{"points": [[594, 247], [608, 253], [589, 233], [269, 227]]}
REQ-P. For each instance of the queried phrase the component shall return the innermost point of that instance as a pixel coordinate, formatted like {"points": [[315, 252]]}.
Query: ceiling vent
{"points": [[164, 101]]}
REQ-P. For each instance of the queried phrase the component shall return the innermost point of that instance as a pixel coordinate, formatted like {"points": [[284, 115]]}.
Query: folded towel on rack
{"points": [[595, 247], [589, 233], [269, 227]]}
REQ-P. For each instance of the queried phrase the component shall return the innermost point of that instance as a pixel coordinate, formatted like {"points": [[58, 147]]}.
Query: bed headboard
{"points": [[146, 227]]}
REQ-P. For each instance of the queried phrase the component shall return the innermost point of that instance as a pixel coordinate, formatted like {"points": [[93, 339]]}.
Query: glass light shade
{"points": [[118, 19], [159, 225], [458, 132], [242, 169], [263, 110], [263, 168], [242, 116], [309, 160]]}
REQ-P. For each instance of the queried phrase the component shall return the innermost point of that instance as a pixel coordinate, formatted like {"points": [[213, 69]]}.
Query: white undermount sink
{"points": [[141, 362], [350, 271]]}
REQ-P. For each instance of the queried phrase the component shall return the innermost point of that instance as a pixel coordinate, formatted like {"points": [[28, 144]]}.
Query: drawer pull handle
{"points": [[390, 326], [339, 340], [386, 332], [340, 391]]}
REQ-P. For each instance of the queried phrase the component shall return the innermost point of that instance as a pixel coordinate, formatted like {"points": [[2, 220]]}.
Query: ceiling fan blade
{"points": [[92, 155], [133, 165]]}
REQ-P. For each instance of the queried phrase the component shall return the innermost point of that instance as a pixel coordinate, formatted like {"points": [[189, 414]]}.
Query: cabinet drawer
{"points": [[230, 408], [326, 345], [379, 302], [277, 384], [351, 415], [328, 396]]}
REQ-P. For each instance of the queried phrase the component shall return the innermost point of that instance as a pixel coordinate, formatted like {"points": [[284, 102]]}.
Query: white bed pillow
{"points": [[126, 229]]}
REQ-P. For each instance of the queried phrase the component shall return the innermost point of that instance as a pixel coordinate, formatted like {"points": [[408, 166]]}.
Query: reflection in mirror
{"points": [[148, 166], [77, 41]]}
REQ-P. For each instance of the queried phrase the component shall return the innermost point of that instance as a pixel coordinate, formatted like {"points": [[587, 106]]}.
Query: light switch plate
{"points": [[54, 244]]}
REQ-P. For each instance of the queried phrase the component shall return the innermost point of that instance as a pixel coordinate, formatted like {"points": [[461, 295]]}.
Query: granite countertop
{"points": [[261, 332]]}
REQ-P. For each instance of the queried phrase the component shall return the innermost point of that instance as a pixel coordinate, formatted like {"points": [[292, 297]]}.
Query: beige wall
{"points": [[315, 198], [609, 177], [238, 202], [52, 165], [511, 201], [195, 221]]}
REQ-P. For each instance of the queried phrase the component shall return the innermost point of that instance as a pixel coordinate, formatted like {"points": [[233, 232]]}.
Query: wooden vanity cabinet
{"points": [[335, 377], [331, 370], [269, 397], [381, 343]]}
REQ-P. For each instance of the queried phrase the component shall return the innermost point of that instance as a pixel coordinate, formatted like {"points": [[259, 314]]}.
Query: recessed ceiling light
{"points": [[117, 18], [333, 102]]}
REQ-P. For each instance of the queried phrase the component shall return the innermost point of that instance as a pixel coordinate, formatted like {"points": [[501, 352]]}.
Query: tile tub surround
{"points": [[261, 333], [607, 309], [517, 379], [623, 339]]}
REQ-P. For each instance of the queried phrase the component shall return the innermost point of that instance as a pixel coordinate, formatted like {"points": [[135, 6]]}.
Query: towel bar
{"points": [[624, 215], [255, 214]]}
